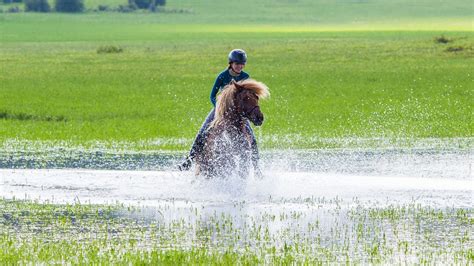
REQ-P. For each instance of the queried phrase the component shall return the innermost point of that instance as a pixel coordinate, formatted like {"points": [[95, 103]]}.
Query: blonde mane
{"points": [[225, 101]]}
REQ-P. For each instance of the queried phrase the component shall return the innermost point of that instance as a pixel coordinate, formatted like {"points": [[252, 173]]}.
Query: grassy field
{"points": [[95, 234], [365, 70], [443, 13], [348, 69]]}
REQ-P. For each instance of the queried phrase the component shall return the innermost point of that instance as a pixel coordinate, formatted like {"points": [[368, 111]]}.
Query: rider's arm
{"points": [[215, 89]]}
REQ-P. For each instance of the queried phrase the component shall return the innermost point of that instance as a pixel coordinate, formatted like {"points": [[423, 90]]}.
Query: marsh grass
{"points": [[303, 11], [317, 231], [25, 117], [339, 69], [442, 39], [339, 85], [109, 49], [455, 49]]}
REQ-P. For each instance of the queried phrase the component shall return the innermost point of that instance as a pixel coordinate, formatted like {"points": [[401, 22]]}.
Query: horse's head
{"points": [[247, 105], [240, 99]]}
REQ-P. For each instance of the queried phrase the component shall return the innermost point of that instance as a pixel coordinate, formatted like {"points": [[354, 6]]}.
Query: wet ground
{"points": [[348, 205], [437, 177]]}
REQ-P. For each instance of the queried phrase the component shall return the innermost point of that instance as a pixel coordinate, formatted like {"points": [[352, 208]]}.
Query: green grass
{"points": [[323, 84], [330, 76], [319, 12], [317, 232]]}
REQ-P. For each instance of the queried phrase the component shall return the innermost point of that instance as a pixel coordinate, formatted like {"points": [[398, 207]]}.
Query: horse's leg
{"points": [[198, 144], [241, 153], [208, 155], [197, 169], [255, 155]]}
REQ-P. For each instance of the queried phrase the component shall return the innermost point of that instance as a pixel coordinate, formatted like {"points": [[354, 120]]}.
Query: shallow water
{"points": [[440, 177], [151, 188], [346, 201], [450, 163]]}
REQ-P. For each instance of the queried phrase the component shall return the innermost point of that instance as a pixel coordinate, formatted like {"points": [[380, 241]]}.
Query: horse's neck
{"points": [[231, 121], [236, 123]]}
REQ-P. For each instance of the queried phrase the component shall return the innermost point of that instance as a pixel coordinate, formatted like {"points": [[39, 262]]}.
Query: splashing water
{"points": [[358, 202]]}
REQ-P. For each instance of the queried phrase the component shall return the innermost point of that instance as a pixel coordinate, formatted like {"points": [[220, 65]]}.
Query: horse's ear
{"points": [[233, 82]]}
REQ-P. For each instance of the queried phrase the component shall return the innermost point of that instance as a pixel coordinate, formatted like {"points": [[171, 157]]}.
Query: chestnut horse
{"points": [[227, 148]]}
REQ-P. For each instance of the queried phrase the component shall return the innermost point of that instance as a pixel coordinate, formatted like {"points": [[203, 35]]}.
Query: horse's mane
{"points": [[225, 101]]}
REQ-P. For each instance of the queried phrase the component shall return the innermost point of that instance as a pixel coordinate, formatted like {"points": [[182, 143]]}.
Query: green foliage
{"points": [[14, 9], [385, 12], [442, 39], [144, 4], [455, 49], [103, 8], [37, 6], [42, 233], [69, 6], [11, 1], [126, 8], [109, 49], [26, 117]]}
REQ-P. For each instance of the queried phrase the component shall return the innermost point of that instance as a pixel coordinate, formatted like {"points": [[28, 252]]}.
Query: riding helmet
{"points": [[238, 56]]}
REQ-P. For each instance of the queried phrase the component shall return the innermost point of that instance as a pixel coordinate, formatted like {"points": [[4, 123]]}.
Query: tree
{"points": [[144, 4], [37, 6], [71, 6]]}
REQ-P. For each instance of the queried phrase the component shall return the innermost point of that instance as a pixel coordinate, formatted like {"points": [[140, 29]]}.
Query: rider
{"points": [[234, 71]]}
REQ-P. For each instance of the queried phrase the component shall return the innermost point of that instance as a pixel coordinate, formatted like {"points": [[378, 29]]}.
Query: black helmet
{"points": [[238, 56]]}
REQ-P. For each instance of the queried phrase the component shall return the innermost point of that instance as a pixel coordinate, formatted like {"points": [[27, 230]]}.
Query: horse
{"points": [[227, 148]]}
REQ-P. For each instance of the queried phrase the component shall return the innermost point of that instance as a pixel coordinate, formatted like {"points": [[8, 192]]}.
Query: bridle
{"points": [[246, 114]]}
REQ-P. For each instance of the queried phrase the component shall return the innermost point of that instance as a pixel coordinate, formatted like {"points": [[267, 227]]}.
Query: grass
{"points": [[319, 231], [319, 12], [335, 70], [355, 70], [325, 84]]}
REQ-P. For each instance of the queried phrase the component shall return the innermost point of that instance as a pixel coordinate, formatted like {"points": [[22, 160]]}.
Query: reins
{"points": [[245, 114]]}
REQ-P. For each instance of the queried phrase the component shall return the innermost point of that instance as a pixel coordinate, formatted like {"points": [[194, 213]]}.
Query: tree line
{"points": [[76, 6]]}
